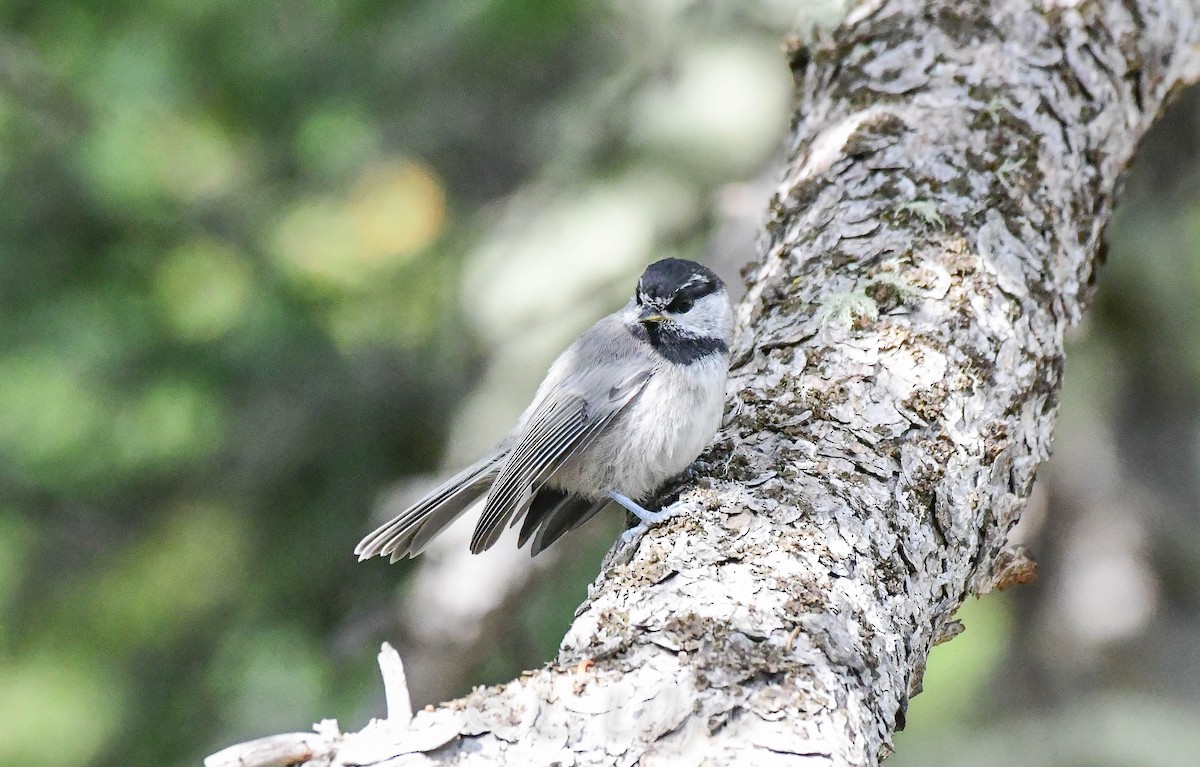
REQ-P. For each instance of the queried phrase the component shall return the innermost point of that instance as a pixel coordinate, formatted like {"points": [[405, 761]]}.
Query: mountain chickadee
{"points": [[626, 407]]}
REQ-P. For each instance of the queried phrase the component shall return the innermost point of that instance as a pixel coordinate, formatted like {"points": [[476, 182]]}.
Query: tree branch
{"points": [[951, 170]]}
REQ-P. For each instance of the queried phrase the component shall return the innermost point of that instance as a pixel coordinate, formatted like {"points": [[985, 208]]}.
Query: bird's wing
{"points": [[408, 533], [563, 421], [555, 520]]}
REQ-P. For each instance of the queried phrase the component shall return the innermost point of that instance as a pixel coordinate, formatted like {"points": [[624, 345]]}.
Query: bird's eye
{"points": [[680, 304]]}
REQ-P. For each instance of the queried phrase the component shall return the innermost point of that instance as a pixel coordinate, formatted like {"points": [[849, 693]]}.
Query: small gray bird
{"points": [[626, 407]]}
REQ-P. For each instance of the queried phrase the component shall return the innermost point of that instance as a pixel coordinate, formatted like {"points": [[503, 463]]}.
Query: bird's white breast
{"points": [[669, 424]]}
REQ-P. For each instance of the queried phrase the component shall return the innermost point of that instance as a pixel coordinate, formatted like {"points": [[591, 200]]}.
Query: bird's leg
{"points": [[646, 518]]}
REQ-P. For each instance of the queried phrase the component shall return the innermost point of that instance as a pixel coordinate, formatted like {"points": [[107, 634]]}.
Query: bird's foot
{"points": [[632, 534], [646, 518]]}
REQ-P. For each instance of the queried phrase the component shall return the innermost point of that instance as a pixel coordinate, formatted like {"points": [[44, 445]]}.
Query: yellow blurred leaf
{"points": [[398, 209], [394, 211]]}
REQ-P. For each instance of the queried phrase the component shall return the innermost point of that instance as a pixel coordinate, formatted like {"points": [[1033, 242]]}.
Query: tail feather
{"points": [[442, 517], [408, 533]]}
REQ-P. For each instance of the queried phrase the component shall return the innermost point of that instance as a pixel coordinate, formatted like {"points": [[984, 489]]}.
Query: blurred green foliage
{"points": [[229, 233], [959, 671]]}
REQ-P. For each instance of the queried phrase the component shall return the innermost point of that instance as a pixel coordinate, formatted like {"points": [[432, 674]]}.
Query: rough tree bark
{"points": [[950, 173]]}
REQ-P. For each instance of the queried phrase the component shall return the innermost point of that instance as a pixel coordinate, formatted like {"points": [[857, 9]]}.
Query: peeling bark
{"points": [[899, 358]]}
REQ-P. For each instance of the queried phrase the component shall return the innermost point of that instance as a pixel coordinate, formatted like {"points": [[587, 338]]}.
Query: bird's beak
{"points": [[650, 315]]}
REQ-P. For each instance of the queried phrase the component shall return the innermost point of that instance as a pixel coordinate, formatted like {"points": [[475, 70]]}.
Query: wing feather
{"points": [[555, 512], [551, 430], [524, 474], [562, 424], [562, 519]]}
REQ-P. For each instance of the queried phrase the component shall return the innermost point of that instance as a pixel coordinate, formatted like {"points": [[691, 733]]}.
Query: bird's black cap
{"points": [[664, 278]]}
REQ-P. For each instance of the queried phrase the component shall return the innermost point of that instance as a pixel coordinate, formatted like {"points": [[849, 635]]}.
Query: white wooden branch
{"points": [[951, 171], [395, 686]]}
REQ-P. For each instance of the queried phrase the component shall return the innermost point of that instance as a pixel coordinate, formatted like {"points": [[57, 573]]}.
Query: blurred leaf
{"points": [[136, 158], [334, 141], [57, 709], [204, 288], [274, 679], [395, 210], [49, 419], [958, 671], [403, 312], [192, 563], [172, 422], [16, 538]]}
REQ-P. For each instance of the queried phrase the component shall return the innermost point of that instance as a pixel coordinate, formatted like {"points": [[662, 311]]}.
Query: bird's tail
{"points": [[407, 534]]}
